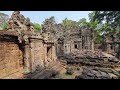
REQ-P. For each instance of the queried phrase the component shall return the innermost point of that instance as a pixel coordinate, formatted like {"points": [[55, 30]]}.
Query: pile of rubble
{"points": [[93, 64], [91, 56], [98, 73]]}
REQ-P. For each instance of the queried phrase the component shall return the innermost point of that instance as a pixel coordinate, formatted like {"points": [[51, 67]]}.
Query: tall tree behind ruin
{"points": [[37, 27], [111, 18], [110, 21], [3, 21], [70, 24]]}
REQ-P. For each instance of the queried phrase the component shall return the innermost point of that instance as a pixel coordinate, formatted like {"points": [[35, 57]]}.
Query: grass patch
{"points": [[64, 76]]}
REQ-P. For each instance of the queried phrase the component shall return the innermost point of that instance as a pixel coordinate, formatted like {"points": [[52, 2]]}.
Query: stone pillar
{"points": [[92, 46], [92, 39], [70, 46], [108, 48], [45, 54], [53, 53], [118, 54], [83, 43], [27, 58], [50, 53], [32, 54]]}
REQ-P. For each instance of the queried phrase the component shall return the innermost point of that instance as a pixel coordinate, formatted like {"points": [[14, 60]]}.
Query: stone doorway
{"points": [[49, 52], [76, 46]]}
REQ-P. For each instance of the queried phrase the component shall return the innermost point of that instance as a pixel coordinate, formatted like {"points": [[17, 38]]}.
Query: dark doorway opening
{"points": [[48, 48], [111, 46], [76, 46], [49, 52]]}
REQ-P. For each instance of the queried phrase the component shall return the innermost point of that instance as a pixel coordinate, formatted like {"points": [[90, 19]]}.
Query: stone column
{"points": [[70, 46], [92, 46], [32, 54], [108, 48], [45, 54], [93, 40], [53, 53], [27, 58], [83, 43]]}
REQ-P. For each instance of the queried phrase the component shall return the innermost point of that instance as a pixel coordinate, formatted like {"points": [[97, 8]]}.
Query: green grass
{"points": [[64, 76]]}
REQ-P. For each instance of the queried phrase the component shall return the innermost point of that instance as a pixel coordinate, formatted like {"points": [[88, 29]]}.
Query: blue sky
{"points": [[39, 16]]}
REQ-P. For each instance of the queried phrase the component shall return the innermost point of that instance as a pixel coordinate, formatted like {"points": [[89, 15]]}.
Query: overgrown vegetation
{"points": [[3, 21], [37, 27], [4, 27]]}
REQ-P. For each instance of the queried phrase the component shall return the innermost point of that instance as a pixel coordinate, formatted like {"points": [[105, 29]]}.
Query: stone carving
{"points": [[76, 39], [20, 24], [35, 50]]}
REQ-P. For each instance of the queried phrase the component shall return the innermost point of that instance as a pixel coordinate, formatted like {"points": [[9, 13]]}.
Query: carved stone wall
{"points": [[76, 40], [37, 54], [22, 50], [11, 59]]}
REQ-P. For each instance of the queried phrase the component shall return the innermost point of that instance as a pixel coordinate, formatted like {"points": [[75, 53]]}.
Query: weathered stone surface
{"points": [[21, 47], [92, 58], [90, 73], [75, 39], [10, 58]]}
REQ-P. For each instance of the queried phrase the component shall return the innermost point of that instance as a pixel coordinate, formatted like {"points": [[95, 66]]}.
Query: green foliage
{"points": [[4, 27], [3, 19], [37, 27], [112, 18], [97, 27], [99, 39], [91, 24], [83, 23], [69, 24]]}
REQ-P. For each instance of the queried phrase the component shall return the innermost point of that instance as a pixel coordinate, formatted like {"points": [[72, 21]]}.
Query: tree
{"points": [[112, 18], [37, 27], [96, 26], [112, 22], [3, 20], [69, 24], [83, 23]]}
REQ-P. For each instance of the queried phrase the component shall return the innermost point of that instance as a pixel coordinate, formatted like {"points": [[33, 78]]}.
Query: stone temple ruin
{"points": [[22, 50], [77, 39], [111, 44], [25, 53]]}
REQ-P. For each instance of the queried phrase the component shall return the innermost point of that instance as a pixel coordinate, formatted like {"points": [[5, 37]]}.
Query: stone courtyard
{"points": [[26, 54]]}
